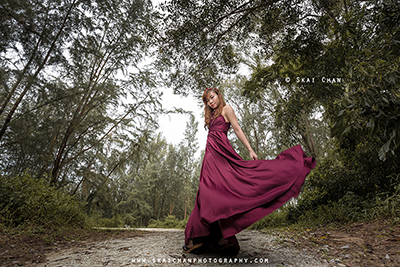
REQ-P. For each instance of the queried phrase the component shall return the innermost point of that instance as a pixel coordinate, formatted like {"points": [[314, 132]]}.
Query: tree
{"points": [[330, 64], [206, 52], [35, 41], [254, 117], [66, 73], [187, 164], [348, 47]]}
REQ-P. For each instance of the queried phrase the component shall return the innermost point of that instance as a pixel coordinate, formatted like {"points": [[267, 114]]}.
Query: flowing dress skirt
{"points": [[235, 193]]}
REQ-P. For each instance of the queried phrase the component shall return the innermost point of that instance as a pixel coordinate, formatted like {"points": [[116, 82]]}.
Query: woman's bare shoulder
{"points": [[229, 114], [228, 109]]}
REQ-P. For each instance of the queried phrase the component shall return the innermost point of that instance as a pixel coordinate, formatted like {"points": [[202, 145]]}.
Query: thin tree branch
{"points": [[30, 81], [105, 135], [20, 22]]}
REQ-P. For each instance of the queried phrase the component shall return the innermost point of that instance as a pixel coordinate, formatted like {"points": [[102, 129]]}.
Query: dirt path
{"points": [[162, 247], [370, 244]]}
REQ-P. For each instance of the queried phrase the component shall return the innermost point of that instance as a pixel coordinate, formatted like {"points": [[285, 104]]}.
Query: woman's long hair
{"points": [[209, 113]]}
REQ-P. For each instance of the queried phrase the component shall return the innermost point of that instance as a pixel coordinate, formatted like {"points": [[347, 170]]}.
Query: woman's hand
{"points": [[253, 155]]}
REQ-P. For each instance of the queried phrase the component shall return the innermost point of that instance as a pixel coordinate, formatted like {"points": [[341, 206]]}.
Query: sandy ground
{"points": [[162, 247], [375, 244]]}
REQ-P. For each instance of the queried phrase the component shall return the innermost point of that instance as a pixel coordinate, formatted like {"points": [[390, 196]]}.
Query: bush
{"points": [[96, 220], [350, 208], [25, 199], [347, 186], [169, 222], [388, 205], [276, 219]]}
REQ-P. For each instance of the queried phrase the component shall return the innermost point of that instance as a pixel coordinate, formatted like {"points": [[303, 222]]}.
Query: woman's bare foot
{"points": [[190, 247], [190, 243]]}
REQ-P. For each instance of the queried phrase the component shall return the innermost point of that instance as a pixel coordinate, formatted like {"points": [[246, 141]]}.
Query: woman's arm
{"points": [[231, 117]]}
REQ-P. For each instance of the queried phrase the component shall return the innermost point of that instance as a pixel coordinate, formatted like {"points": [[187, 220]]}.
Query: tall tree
{"points": [[34, 42], [347, 49], [255, 119], [333, 63], [72, 84], [188, 148]]}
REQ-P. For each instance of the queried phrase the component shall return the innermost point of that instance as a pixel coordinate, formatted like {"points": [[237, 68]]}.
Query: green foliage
{"points": [[276, 219], [25, 199], [255, 119], [170, 221], [348, 209], [72, 95], [371, 100], [158, 180], [387, 204], [344, 187], [350, 179], [197, 49]]}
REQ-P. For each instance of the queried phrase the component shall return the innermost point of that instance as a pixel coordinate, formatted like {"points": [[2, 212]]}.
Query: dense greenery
{"points": [[79, 112], [155, 182], [79, 107], [25, 199], [169, 222], [61, 96], [326, 71]]}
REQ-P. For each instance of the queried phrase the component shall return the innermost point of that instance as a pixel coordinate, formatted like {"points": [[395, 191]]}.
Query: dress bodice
{"points": [[219, 125]]}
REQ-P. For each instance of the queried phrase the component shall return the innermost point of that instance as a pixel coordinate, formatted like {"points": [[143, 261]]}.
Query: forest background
{"points": [[79, 138]]}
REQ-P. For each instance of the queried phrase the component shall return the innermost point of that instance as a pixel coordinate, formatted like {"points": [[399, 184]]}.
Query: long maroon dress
{"points": [[236, 192]]}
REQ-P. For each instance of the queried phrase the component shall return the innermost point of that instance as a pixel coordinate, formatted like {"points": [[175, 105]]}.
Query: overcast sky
{"points": [[173, 126]]}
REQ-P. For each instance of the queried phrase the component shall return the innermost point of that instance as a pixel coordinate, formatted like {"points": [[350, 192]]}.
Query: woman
{"points": [[234, 193]]}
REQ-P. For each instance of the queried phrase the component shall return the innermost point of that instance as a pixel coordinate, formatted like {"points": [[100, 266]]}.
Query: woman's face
{"points": [[213, 100]]}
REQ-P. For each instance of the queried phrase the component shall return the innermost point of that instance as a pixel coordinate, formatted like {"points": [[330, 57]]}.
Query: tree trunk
{"points": [[32, 78]]}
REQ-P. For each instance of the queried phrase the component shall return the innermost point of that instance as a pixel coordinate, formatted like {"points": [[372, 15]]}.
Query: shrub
{"points": [[276, 219], [96, 220], [350, 208], [24, 199], [169, 222]]}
